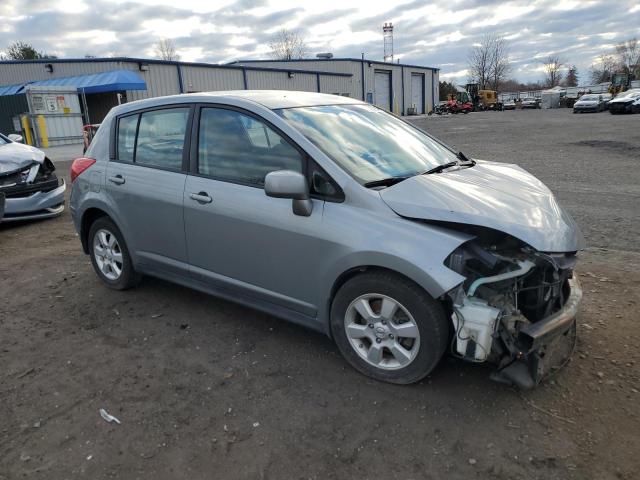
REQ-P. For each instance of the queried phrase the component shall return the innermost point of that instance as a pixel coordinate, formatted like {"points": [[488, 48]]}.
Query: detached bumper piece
{"points": [[544, 346]]}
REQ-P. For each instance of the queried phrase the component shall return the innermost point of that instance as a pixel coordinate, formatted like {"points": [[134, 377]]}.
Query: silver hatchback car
{"points": [[333, 214]]}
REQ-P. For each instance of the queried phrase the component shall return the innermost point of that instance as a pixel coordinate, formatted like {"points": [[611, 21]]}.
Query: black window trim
{"points": [[186, 150], [306, 158]]}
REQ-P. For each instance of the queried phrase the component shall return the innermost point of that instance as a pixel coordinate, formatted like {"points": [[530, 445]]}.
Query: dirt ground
{"points": [[206, 389]]}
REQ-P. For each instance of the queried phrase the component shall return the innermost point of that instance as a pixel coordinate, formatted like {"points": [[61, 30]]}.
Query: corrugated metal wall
{"points": [[161, 80], [357, 68], [335, 66], [203, 79], [266, 80], [164, 79], [340, 85]]}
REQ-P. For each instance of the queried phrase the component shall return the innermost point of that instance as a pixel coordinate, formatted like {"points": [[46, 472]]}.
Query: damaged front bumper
{"points": [[544, 346], [35, 205]]}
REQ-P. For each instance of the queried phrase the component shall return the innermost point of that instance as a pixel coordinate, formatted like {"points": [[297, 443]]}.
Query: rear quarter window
{"points": [[127, 137]]}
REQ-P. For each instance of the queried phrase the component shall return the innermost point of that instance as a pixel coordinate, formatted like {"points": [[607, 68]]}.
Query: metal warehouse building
{"points": [[34, 94]]}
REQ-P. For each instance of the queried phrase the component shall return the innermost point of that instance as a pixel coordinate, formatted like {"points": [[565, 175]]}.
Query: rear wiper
{"points": [[384, 182], [465, 162]]}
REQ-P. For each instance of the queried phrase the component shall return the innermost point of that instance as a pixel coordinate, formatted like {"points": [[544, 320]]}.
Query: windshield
{"points": [[367, 142], [589, 98], [3, 139]]}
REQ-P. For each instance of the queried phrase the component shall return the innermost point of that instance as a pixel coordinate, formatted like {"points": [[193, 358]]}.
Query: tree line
{"points": [[489, 66]]}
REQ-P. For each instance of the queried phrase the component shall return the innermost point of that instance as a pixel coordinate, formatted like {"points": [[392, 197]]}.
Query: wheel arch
{"points": [[353, 272], [89, 216]]}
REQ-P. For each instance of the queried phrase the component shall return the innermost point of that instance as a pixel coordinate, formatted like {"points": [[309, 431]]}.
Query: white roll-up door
{"points": [[382, 92], [417, 92]]}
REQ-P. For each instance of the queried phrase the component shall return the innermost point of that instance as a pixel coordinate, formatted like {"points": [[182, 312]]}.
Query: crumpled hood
{"points": [[500, 196], [16, 156]]}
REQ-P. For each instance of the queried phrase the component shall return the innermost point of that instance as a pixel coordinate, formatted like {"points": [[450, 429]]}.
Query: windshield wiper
{"points": [[440, 168], [465, 162], [384, 182]]}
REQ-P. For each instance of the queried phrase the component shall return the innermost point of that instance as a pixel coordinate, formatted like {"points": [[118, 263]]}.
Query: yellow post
{"points": [[42, 127], [26, 128]]}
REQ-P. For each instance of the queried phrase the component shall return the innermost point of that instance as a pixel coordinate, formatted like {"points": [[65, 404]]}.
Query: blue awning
{"points": [[10, 89], [112, 81]]}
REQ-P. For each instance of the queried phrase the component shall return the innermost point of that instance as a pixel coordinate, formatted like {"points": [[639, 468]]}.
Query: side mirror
{"points": [[15, 137], [290, 184]]}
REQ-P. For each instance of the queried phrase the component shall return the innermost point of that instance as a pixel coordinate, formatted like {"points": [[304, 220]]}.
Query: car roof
{"points": [[271, 99]]}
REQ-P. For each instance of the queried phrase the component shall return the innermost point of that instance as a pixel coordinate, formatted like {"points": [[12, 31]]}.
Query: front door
{"points": [[239, 239], [146, 186]]}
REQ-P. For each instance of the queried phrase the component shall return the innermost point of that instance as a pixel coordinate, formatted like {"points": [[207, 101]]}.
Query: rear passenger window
{"points": [[240, 148], [127, 137], [161, 137]]}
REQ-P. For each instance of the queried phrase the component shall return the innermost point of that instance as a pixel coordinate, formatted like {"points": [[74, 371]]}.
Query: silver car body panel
{"points": [[236, 245]]}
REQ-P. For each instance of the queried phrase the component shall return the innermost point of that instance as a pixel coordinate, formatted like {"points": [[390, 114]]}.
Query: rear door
{"points": [[239, 240], [145, 183]]}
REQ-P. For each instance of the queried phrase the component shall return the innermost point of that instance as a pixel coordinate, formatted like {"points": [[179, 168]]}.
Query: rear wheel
{"points": [[110, 255], [388, 328]]}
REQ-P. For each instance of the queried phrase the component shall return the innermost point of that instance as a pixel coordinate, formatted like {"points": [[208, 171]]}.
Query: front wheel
{"points": [[388, 328]]}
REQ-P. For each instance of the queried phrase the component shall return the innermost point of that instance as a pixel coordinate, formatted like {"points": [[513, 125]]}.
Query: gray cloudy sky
{"points": [[430, 33]]}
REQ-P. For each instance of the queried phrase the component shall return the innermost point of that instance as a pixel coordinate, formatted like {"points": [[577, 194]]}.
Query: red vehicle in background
{"points": [[459, 103]]}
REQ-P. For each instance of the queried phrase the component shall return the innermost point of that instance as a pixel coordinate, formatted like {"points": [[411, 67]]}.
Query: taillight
{"points": [[79, 165]]}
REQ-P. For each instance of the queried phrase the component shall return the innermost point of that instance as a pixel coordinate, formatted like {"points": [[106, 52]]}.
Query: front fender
{"points": [[414, 249]]}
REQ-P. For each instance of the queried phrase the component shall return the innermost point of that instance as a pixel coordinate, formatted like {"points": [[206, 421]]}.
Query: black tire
{"points": [[129, 278], [428, 314]]}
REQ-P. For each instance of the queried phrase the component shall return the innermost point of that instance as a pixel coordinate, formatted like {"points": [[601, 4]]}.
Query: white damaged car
{"points": [[28, 181]]}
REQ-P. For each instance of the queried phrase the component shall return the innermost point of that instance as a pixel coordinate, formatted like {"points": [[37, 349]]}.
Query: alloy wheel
{"points": [[382, 331], [108, 254]]}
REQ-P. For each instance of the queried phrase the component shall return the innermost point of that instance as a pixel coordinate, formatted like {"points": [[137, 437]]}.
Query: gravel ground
{"points": [[208, 389]]}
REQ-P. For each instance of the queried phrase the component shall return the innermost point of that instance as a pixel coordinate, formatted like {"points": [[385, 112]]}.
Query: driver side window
{"points": [[239, 148]]}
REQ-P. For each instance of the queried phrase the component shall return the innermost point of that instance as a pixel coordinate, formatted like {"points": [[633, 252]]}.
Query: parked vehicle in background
{"points": [[589, 103], [509, 105], [626, 102], [88, 132], [606, 98], [620, 82], [459, 103], [331, 213], [28, 181], [531, 102]]}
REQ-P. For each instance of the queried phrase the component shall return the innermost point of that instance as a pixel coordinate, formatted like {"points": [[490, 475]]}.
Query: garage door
{"points": [[382, 92], [417, 92]]}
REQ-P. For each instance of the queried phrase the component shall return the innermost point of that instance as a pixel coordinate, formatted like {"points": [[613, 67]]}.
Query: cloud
{"points": [[436, 34]]}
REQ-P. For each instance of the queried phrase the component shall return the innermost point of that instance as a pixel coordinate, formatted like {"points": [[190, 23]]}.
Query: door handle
{"points": [[117, 179], [201, 197]]}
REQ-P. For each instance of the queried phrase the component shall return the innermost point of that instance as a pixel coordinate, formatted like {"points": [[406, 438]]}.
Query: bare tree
{"points": [[288, 45], [166, 49], [629, 54], [603, 69], [552, 70], [488, 62]]}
